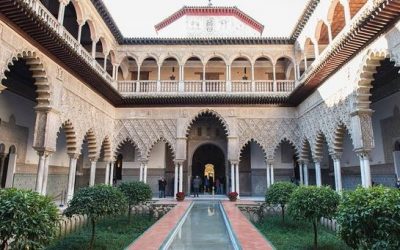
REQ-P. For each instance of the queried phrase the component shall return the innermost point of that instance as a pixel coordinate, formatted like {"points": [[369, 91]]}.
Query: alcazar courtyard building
{"points": [[81, 104]]}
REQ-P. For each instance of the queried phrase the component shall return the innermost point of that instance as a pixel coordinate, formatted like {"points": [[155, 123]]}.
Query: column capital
{"points": [[44, 151], [74, 155], [64, 2], [234, 162], [363, 152], [317, 160], [93, 159], [178, 162], [270, 160], [336, 155]]}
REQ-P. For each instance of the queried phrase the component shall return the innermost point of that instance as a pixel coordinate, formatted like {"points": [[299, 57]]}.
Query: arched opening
{"points": [[127, 75], [385, 103], [205, 134], [304, 175], [263, 75], [127, 164], [309, 52], [285, 74], [58, 165], [215, 75], [108, 66], [52, 6], [193, 74], [252, 170], [8, 167], [86, 37], [17, 127], [355, 6], [241, 75], [100, 52], [148, 75], [70, 20], [169, 75], [161, 164], [326, 162], [208, 163], [88, 154], [336, 18], [286, 167], [322, 36]]}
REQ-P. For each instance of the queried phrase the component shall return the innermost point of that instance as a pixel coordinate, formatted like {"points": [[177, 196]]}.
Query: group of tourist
{"points": [[207, 185]]}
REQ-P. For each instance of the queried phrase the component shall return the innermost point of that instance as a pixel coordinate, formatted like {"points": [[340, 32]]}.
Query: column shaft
{"points": [[176, 179], [268, 176], [338, 174], [141, 172], [45, 175], [145, 173], [301, 173], [107, 174], [305, 174], [360, 156], [180, 177], [237, 180], [233, 188], [272, 174], [318, 173], [111, 173], [92, 173], [71, 177], [39, 177], [367, 171]]}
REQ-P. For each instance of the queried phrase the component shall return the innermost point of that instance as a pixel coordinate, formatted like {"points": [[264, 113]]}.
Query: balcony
{"points": [[279, 87]]}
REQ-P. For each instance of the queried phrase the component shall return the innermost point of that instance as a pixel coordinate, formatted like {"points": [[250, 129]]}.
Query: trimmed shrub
{"points": [[370, 218], [312, 203], [279, 194], [97, 202], [135, 192], [27, 219]]}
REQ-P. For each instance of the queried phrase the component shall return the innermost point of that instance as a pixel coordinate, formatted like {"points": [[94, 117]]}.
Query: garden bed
{"points": [[297, 235], [111, 234]]}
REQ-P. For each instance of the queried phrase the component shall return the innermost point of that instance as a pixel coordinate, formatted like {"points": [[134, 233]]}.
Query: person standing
{"points": [[206, 184], [218, 185], [162, 183], [196, 186]]}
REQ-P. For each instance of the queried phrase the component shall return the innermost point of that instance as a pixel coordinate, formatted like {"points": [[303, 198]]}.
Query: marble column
{"points": [[367, 170], [145, 172], [337, 172], [176, 179], [45, 175], [272, 174], [233, 187], [141, 172], [318, 179], [305, 173], [361, 158], [275, 87], [237, 179], [180, 177], [107, 174], [73, 158], [92, 178], [268, 176], [111, 173], [301, 173], [12, 162], [39, 177]]}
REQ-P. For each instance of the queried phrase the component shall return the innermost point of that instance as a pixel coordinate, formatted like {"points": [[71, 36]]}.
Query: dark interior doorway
{"points": [[209, 154]]}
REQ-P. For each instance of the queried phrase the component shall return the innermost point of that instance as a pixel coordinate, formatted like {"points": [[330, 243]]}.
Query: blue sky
{"points": [[136, 18]]}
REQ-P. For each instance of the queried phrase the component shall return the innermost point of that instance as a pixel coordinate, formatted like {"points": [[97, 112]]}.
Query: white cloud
{"points": [[137, 18]]}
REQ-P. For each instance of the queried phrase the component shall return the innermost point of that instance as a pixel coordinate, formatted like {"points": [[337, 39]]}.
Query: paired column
{"points": [[237, 179], [92, 177], [337, 171], [111, 180], [301, 172], [61, 12], [233, 187], [270, 173], [180, 177], [143, 172], [107, 174], [305, 173], [318, 179], [43, 171], [365, 169], [176, 178], [158, 78], [274, 78], [73, 158]]}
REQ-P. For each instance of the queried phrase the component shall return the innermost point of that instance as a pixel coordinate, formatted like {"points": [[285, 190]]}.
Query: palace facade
{"points": [[81, 104]]}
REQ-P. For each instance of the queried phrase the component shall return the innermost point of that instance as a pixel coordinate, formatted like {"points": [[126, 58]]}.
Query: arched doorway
{"points": [[209, 162]]}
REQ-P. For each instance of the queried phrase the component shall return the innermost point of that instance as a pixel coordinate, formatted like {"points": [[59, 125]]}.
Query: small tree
{"points": [[96, 202], [370, 218], [27, 218], [279, 194], [135, 192], [312, 203]]}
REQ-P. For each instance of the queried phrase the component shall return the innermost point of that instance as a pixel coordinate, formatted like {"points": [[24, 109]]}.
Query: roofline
{"points": [[190, 10]]}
